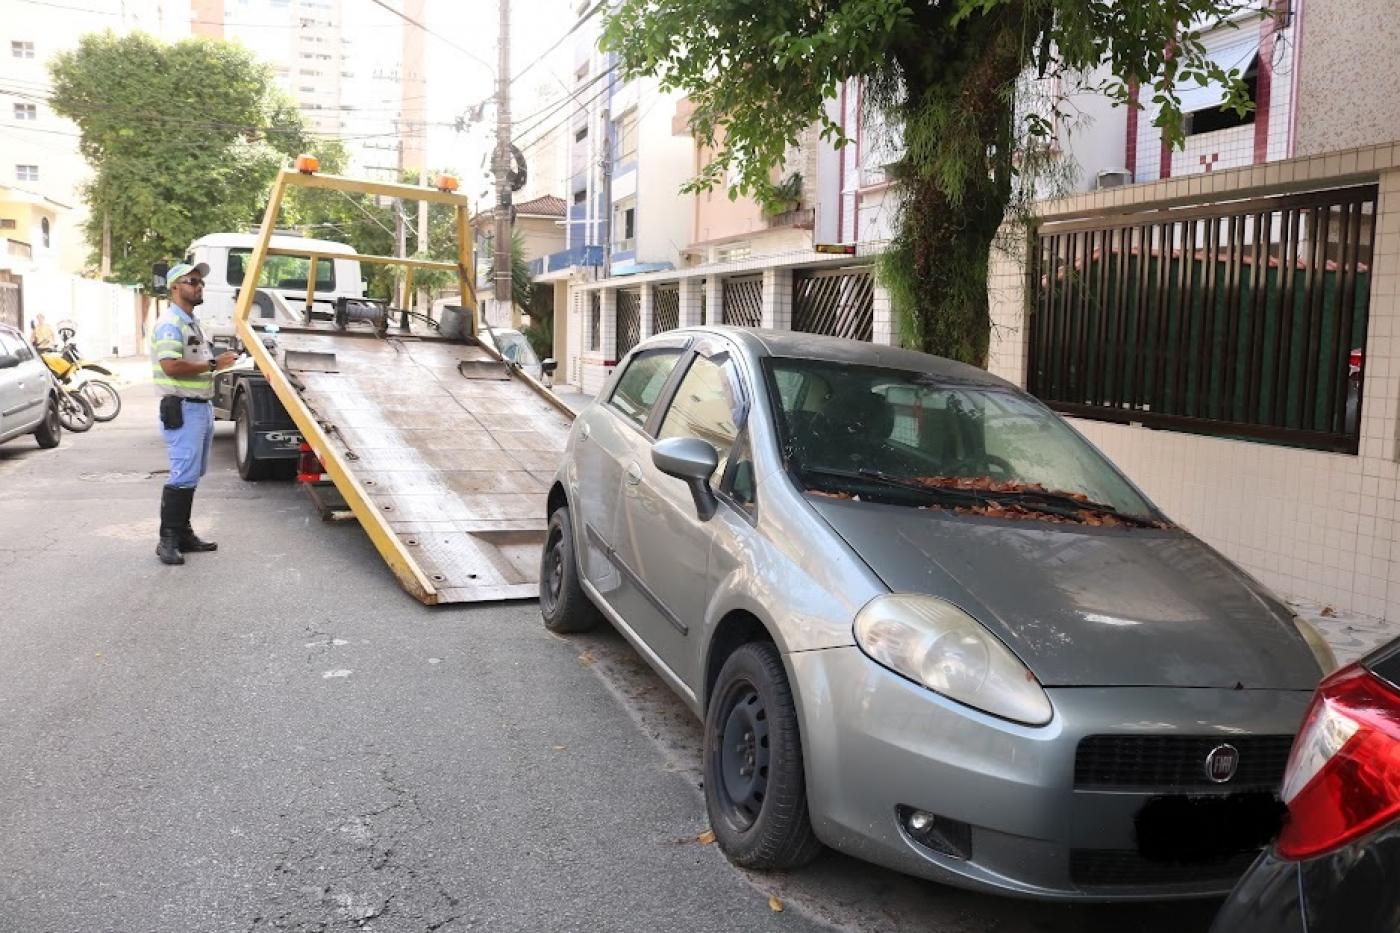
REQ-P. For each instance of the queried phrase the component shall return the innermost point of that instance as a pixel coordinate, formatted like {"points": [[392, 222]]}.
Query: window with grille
{"points": [[26, 112], [1245, 319], [27, 172], [22, 49]]}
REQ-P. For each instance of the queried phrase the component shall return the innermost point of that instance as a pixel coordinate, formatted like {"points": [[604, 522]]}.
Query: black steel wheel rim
{"points": [[553, 571], [744, 757]]}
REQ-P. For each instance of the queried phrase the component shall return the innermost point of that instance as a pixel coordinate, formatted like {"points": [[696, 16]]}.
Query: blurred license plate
{"points": [[1188, 828]]}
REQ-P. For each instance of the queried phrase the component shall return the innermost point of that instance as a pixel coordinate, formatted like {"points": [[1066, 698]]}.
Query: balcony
{"points": [[565, 258], [802, 219]]}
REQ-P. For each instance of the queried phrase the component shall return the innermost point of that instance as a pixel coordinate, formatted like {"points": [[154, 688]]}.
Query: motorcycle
{"points": [[67, 365]]}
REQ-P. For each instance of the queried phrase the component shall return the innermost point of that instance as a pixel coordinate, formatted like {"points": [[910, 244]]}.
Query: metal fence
{"points": [[743, 301], [10, 307], [629, 320], [665, 307], [1245, 319], [836, 302]]}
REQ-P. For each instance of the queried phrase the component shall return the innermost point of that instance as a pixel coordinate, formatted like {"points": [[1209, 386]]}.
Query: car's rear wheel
{"points": [[755, 790], [564, 605], [50, 430]]}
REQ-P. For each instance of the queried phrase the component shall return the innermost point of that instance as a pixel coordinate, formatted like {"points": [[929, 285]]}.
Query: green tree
{"points": [[184, 139], [949, 76]]}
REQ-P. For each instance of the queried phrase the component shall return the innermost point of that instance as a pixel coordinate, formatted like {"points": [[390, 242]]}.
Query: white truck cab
{"points": [[282, 285]]}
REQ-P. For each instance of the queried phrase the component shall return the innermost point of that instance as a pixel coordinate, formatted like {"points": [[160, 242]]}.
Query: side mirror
{"points": [[7, 360], [549, 365], [692, 461]]}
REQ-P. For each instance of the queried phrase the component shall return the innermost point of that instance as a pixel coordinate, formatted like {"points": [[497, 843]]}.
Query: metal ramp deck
{"points": [[454, 468]]}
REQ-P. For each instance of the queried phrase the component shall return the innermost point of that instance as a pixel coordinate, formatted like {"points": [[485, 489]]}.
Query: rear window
{"points": [[641, 384], [286, 272]]}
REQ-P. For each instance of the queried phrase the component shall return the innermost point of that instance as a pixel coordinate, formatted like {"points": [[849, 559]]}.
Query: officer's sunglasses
{"points": [[193, 283]]}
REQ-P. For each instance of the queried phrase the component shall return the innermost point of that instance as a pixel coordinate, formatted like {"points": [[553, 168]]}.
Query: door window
{"points": [[9, 343], [706, 406], [641, 384]]}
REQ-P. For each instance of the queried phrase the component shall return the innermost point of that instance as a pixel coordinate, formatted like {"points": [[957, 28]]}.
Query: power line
{"points": [[550, 110], [441, 38], [560, 41], [582, 105]]}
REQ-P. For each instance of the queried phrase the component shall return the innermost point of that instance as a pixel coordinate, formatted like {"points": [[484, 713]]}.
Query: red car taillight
{"points": [[1343, 776], [309, 467]]}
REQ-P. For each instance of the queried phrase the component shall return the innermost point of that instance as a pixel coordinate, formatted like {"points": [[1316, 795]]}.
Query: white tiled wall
{"points": [[1314, 526]]}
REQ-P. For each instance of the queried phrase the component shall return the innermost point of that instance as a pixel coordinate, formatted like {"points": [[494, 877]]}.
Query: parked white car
{"points": [[28, 396]]}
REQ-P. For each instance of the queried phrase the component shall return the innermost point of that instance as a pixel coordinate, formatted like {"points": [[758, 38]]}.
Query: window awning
{"points": [[1233, 56]]}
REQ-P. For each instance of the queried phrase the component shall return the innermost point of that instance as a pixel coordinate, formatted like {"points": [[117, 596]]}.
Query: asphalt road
{"points": [[276, 737]]}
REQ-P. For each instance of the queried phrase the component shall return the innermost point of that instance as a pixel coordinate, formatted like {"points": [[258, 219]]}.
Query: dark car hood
{"points": [[1088, 606]]}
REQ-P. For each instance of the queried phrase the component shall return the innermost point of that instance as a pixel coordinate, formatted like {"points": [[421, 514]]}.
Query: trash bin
{"points": [[451, 321]]}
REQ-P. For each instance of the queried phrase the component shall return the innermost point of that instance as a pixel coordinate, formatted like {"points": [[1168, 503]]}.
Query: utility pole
{"points": [[502, 283]]}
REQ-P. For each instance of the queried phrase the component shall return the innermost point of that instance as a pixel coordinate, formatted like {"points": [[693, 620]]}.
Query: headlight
{"points": [[937, 645], [1320, 649]]}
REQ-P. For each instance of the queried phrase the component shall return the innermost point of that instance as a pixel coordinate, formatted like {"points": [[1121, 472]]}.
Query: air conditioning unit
{"points": [[1113, 178]]}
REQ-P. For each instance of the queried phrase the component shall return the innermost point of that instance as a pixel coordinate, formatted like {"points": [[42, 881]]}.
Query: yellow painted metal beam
{"points": [[360, 257], [385, 189], [371, 519]]}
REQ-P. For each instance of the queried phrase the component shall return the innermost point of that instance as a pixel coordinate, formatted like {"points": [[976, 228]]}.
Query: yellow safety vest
{"points": [[189, 346]]}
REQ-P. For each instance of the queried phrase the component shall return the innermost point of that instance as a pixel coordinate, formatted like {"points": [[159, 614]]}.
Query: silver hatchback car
{"points": [[28, 395], [925, 622]]}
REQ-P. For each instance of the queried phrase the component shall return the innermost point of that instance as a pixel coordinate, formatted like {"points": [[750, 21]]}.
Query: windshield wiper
{"points": [[894, 482], [1063, 503]]}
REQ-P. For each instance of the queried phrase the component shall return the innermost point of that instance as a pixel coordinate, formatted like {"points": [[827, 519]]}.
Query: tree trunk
{"points": [[936, 269]]}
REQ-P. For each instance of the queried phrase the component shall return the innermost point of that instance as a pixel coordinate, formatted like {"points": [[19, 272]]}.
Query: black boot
{"points": [[189, 541], [171, 508]]}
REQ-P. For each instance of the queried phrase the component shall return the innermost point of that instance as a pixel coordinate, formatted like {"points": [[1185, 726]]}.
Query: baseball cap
{"points": [[182, 269]]}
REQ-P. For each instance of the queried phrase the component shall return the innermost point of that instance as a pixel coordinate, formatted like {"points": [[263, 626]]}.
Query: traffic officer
{"points": [[182, 368]]}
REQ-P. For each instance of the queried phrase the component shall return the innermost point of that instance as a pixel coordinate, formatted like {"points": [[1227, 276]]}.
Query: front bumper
{"points": [[874, 741]]}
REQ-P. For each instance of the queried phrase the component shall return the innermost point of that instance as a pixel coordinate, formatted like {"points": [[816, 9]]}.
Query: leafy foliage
{"points": [[184, 139], [520, 284], [949, 78]]}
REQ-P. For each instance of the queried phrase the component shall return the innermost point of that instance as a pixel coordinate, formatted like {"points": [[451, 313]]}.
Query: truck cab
{"points": [[282, 283]]}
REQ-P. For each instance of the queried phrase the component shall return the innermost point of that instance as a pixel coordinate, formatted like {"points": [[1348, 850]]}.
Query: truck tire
{"points": [[249, 466]]}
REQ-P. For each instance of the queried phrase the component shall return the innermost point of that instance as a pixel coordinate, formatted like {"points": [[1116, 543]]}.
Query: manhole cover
{"points": [[121, 476]]}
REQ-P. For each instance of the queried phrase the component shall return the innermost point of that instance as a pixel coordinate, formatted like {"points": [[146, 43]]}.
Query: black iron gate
{"points": [[595, 321], [835, 302], [1245, 319], [629, 320], [665, 307], [743, 301]]}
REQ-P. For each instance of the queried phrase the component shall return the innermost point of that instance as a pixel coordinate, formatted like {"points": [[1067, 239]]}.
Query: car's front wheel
{"points": [[563, 603], [755, 790]]}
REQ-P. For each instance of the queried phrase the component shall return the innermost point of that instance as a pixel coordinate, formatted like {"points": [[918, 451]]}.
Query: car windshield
{"points": [[910, 438]]}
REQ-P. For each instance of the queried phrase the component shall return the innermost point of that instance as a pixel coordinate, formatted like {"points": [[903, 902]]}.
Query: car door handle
{"points": [[634, 474], [585, 431]]}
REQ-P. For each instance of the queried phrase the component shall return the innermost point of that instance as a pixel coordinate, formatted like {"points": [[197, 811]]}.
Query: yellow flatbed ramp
{"points": [[450, 449], [441, 449]]}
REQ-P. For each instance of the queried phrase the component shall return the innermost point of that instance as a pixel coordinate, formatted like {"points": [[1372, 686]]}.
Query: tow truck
{"points": [[441, 448]]}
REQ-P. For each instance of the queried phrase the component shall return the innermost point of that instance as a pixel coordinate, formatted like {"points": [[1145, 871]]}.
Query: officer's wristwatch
{"points": [[213, 365]]}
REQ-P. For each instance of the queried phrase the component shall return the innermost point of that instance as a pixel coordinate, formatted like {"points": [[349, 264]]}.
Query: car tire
{"points": [[50, 430], [564, 605], [755, 787], [249, 467]]}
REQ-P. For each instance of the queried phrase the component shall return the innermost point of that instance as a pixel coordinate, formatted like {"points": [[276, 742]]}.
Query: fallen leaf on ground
{"points": [[705, 838], [1327, 612], [586, 658], [774, 904]]}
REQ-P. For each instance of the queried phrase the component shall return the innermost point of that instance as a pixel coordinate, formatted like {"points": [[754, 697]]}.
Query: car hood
{"points": [[1084, 606]]}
